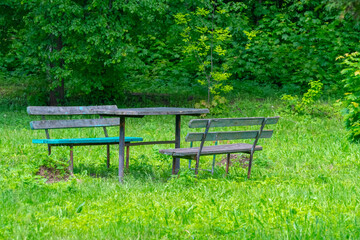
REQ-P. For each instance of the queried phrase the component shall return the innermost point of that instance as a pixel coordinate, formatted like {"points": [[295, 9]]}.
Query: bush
{"points": [[351, 101], [306, 104]]}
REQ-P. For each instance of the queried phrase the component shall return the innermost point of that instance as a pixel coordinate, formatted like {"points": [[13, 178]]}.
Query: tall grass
{"points": [[304, 185]]}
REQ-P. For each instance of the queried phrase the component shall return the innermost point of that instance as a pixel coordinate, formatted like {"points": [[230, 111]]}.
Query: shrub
{"points": [[305, 105], [351, 100]]}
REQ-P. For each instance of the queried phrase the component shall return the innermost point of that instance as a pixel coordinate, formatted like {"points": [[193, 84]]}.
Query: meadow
{"points": [[305, 183]]}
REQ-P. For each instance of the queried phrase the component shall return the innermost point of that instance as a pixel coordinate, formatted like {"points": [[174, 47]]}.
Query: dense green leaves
{"points": [[102, 49], [351, 100], [297, 44], [206, 39]]}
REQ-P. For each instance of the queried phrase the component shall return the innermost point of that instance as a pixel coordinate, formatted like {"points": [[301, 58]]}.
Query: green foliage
{"points": [[351, 100], [11, 27], [86, 47], [217, 105], [294, 44], [52, 163], [306, 104], [206, 41], [312, 94], [97, 51]]}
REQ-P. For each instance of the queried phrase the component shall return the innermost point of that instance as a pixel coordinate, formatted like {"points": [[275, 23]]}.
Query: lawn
{"points": [[304, 185]]}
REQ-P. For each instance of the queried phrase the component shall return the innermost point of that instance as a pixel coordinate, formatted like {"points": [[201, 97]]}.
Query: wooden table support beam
{"points": [[177, 140], [121, 148]]}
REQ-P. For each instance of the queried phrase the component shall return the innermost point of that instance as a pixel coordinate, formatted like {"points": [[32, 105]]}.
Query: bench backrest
{"points": [[74, 123], [75, 110], [230, 122]]}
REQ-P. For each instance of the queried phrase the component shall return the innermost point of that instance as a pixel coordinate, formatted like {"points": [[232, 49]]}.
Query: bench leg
{"points": [[108, 155], [127, 156], [197, 158], [213, 165], [227, 163], [49, 150], [174, 166], [191, 145], [250, 162], [71, 161]]}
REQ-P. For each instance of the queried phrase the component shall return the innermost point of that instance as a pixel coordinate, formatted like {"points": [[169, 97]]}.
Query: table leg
{"points": [[177, 140], [121, 148]]}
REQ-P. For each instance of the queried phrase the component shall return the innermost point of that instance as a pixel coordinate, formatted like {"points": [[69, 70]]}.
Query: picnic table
{"points": [[141, 112]]}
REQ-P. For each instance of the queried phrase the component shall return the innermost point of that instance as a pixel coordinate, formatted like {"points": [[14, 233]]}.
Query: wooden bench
{"points": [[195, 152], [77, 123]]}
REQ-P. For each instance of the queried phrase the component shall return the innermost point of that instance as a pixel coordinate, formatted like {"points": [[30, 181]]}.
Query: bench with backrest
{"points": [[194, 153], [77, 123]]}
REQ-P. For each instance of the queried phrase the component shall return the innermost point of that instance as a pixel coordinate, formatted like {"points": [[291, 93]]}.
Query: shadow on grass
{"points": [[95, 171], [157, 170], [139, 171]]}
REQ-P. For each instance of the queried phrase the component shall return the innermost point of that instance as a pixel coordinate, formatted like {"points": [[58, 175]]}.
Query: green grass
{"points": [[304, 185]]}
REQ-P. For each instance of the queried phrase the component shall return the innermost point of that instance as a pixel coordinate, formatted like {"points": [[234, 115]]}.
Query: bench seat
{"points": [[104, 140], [210, 150], [194, 153]]}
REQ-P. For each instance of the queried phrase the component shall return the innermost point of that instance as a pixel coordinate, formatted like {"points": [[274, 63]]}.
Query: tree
{"points": [[206, 38], [84, 47]]}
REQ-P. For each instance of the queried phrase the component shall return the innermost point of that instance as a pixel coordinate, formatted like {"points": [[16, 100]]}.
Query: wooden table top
{"points": [[151, 111]]}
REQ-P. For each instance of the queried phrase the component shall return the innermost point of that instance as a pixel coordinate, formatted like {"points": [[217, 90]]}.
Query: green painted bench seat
{"points": [[104, 140]]}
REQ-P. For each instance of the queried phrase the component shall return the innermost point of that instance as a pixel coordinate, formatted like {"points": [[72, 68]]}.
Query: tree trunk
{"points": [[258, 17], [57, 95]]}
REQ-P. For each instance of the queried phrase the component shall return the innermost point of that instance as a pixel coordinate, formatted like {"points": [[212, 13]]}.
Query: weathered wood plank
{"points": [[75, 123], [75, 110], [210, 150], [216, 136], [231, 122], [150, 143], [152, 111]]}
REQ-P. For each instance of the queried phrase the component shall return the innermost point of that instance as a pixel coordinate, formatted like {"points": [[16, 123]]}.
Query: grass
{"points": [[304, 185]]}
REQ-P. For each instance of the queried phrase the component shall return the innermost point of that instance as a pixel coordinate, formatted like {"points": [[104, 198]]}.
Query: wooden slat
{"points": [[150, 143], [210, 150], [231, 122], [76, 123], [75, 110], [153, 111], [216, 136]]}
